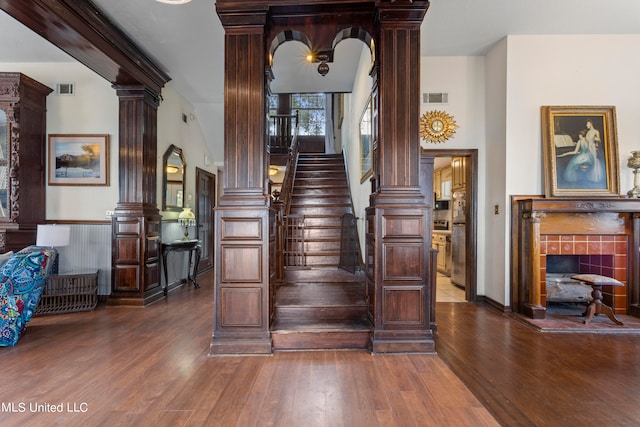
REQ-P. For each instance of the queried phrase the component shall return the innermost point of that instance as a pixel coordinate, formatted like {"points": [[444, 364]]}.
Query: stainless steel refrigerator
{"points": [[458, 237]]}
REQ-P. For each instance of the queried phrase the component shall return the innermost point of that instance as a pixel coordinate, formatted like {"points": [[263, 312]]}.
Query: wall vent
{"points": [[65, 89], [435, 98]]}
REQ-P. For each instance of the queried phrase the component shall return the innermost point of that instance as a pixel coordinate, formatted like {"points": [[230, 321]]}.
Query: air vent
{"points": [[435, 98], [65, 89]]}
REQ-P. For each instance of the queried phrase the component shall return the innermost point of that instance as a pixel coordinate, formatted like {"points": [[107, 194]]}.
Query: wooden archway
{"points": [[399, 218]]}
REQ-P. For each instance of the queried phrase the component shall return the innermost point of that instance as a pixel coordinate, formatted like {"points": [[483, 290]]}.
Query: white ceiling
{"points": [[188, 40]]}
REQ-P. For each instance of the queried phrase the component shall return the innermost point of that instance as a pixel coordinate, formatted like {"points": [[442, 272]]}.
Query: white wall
{"points": [[92, 110], [549, 70], [463, 79], [355, 104], [187, 136]]}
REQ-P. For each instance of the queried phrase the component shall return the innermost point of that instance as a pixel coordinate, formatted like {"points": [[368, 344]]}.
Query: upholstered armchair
{"points": [[22, 281]]}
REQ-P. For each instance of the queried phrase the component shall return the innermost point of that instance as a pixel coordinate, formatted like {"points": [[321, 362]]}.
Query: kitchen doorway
{"points": [[458, 220]]}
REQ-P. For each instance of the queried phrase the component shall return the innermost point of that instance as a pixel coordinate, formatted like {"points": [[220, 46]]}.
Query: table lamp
{"points": [[53, 236], [186, 219]]}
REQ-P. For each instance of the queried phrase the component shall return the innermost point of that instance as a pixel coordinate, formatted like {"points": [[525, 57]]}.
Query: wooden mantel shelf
{"points": [[601, 204], [536, 216]]}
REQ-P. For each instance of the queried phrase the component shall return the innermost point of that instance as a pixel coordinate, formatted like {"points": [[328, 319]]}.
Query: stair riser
{"points": [[320, 210], [334, 275], [321, 341], [320, 313], [330, 202]]}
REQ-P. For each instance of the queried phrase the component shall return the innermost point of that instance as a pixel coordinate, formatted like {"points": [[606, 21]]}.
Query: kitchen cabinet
{"points": [[441, 243], [459, 173], [442, 183]]}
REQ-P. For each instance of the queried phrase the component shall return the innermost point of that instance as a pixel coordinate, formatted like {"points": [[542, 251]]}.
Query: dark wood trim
{"points": [[495, 305], [80, 29]]}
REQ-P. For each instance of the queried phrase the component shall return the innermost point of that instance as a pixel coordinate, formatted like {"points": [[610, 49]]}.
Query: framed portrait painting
{"points": [[580, 151], [79, 160], [366, 143]]}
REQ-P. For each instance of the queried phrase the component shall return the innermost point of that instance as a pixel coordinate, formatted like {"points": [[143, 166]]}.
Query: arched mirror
{"points": [[173, 177]]}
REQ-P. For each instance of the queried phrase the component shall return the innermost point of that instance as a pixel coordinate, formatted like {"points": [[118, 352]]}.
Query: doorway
{"points": [[464, 170], [206, 196]]}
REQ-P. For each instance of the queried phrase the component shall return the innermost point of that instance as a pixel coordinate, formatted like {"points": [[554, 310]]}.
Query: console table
{"points": [[194, 247]]}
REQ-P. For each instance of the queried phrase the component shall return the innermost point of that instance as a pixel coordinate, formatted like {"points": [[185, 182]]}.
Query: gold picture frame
{"points": [[79, 160], [366, 143], [580, 150]]}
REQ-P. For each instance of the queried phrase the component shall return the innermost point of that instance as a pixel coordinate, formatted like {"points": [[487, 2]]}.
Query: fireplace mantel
{"points": [[614, 221]]}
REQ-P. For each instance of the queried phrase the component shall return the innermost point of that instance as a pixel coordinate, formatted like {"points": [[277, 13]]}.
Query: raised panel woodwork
{"points": [[152, 275], [403, 261], [128, 250], [242, 228], [127, 227], [403, 226], [241, 264], [241, 307], [404, 306], [127, 278]]}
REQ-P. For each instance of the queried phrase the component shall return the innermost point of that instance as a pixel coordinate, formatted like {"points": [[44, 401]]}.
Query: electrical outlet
{"points": [[496, 209], [109, 214]]}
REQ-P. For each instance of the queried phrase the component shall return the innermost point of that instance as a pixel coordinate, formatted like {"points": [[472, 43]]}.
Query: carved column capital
{"points": [[534, 217]]}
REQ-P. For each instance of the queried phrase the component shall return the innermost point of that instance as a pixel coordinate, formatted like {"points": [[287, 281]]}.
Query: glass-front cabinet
{"points": [[22, 159], [4, 165]]}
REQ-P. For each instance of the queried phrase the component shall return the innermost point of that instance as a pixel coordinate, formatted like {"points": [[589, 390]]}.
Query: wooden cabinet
{"points": [[439, 242], [458, 173], [22, 159], [437, 183], [442, 183]]}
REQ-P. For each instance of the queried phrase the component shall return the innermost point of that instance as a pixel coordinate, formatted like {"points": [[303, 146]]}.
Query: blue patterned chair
{"points": [[22, 280]]}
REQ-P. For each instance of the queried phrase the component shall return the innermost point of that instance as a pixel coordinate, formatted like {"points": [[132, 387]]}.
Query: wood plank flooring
{"points": [[150, 367], [528, 378]]}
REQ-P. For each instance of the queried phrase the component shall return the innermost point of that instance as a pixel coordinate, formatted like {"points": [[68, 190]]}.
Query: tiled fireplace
{"points": [[602, 254], [597, 236]]}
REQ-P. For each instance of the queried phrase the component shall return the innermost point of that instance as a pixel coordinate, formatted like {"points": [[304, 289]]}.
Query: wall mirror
{"points": [[173, 177]]}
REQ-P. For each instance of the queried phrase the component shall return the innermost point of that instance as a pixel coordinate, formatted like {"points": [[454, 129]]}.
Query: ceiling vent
{"points": [[65, 89], [435, 98]]}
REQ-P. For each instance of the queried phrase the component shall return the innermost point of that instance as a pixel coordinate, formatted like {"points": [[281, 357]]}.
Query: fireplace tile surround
{"points": [[605, 255], [603, 234]]}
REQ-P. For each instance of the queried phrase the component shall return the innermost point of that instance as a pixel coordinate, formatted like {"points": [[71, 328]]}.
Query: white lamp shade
{"points": [[53, 235]]}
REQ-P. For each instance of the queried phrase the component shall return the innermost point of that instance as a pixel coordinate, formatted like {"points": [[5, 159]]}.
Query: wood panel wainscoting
{"points": [[603, 233]]}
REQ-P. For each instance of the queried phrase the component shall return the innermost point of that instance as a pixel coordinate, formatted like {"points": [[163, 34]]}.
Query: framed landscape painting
{"points": [[580, 151], [79, 160]]}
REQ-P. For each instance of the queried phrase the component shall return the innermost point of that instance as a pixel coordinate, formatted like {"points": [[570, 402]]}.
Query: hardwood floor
{"points": [[528, 378], [149, 367]]}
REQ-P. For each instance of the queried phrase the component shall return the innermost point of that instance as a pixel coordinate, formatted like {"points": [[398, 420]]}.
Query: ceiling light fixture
{"points": [[174, 1]]}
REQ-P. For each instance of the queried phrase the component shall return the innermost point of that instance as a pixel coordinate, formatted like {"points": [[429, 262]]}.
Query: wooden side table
{"points": [[597, 306], [194, 247]]}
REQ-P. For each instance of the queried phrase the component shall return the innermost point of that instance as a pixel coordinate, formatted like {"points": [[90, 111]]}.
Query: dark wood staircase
{"points": [[319, 306]]}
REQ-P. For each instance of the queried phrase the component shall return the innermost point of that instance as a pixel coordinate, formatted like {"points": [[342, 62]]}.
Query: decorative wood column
{"points": [[401, 212], [534, 308], [136, 220], [241, 312]]}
